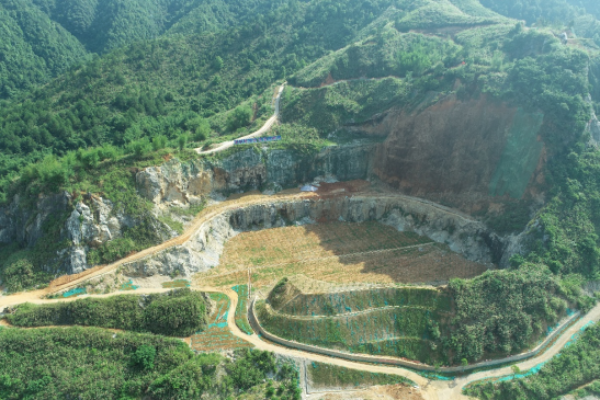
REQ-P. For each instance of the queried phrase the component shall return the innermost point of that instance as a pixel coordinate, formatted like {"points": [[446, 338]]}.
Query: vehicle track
{"points": [[431, 390], [264, 129]]}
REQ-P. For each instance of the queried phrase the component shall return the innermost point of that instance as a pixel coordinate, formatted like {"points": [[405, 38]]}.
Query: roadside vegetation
{"points": [[151, 96], [495, 315], [331, 376], [577, 366], [90, 363], [178, 313]]}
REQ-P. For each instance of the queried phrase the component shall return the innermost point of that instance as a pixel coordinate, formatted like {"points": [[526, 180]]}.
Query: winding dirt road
{"points": [[431, 390], [265, 128]]}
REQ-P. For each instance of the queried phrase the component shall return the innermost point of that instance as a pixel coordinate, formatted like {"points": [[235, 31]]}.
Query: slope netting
{"points": [[401, 332], [178, 283], [331, 376], [355, 301], [75, 292], [217, 336], [127, 286], [241, 311]]}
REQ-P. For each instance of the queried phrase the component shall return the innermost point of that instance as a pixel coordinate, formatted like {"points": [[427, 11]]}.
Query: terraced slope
{"points": [[395, 321]]}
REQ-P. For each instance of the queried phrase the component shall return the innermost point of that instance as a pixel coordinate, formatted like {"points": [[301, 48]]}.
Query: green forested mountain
{"points": [[163, 86], [33, 48], [180, 90], [95, 91], [43, 38]]}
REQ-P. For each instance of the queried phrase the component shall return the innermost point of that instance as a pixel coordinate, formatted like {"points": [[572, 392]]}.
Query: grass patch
{"points": [[401, 332], [177, 226], [331, 376], [241, 311], [217, 336]]}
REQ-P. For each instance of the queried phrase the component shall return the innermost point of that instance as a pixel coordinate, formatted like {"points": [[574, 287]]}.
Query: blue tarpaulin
{"points": [[257, 140]]}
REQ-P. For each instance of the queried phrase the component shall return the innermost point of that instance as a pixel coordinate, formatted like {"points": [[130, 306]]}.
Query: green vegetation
{"points": [[183, 74], [342, 104], [577, 366], [241, 311], [89, 363], [166, 87], [331, 376], [401, 332], [177, 313], [355, 301], [105, 171], [495, 315], [504, 312], [33, 48], [403, 322], [18, 271]]}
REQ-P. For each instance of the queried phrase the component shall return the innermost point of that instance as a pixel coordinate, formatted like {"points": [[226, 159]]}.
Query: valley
{"points": [[425, 226]]}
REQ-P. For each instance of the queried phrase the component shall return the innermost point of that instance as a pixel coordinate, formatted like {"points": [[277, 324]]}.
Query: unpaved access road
{"points": [[206, 215], [265, 128], [431, 390]]}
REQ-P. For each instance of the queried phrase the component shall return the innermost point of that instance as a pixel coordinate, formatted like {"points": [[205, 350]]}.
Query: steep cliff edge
{"points": [[251, 169], [60, 232], [458, 231], [461, 152]]}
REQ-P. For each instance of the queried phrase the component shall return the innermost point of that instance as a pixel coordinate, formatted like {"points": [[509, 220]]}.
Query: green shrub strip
{"points": [[178, 313]]}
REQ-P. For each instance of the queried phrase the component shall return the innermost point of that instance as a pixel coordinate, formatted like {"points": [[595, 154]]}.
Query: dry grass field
{"points": [[340, 253]]}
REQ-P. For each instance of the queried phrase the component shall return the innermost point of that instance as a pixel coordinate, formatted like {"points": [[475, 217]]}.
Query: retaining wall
{"points": [[402, 363]]}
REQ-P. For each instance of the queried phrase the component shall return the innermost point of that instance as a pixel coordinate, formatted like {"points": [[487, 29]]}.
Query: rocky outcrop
{"points": [[91, 227], [199, 254], [461, 233], [250, 169], [23, 223], [443, 225], [81, 226], [462, 152]]}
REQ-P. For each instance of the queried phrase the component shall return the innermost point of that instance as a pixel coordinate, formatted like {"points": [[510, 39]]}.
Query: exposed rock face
{"points": [[459, 152], [88, 229], [84, 226], [250, 169], [461, 233], [23, 225], [443, 225], [199, 254]]}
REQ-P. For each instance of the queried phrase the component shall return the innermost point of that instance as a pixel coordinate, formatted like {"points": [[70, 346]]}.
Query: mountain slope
{"points": [[32, 47], [442, 99]]}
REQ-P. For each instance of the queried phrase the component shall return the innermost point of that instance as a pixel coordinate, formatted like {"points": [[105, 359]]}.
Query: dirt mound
{"points": [[282, 293]]}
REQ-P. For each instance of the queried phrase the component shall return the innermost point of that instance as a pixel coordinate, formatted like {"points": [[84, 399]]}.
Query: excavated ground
{"points": [[430, 389], [338, 252]]}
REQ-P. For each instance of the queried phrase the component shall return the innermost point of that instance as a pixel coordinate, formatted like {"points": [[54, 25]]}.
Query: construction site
{"points": [[341, 253]]}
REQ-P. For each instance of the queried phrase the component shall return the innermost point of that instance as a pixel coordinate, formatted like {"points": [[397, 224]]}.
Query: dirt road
{"points": [[265, 128], [206, 215], [431, 390]]}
